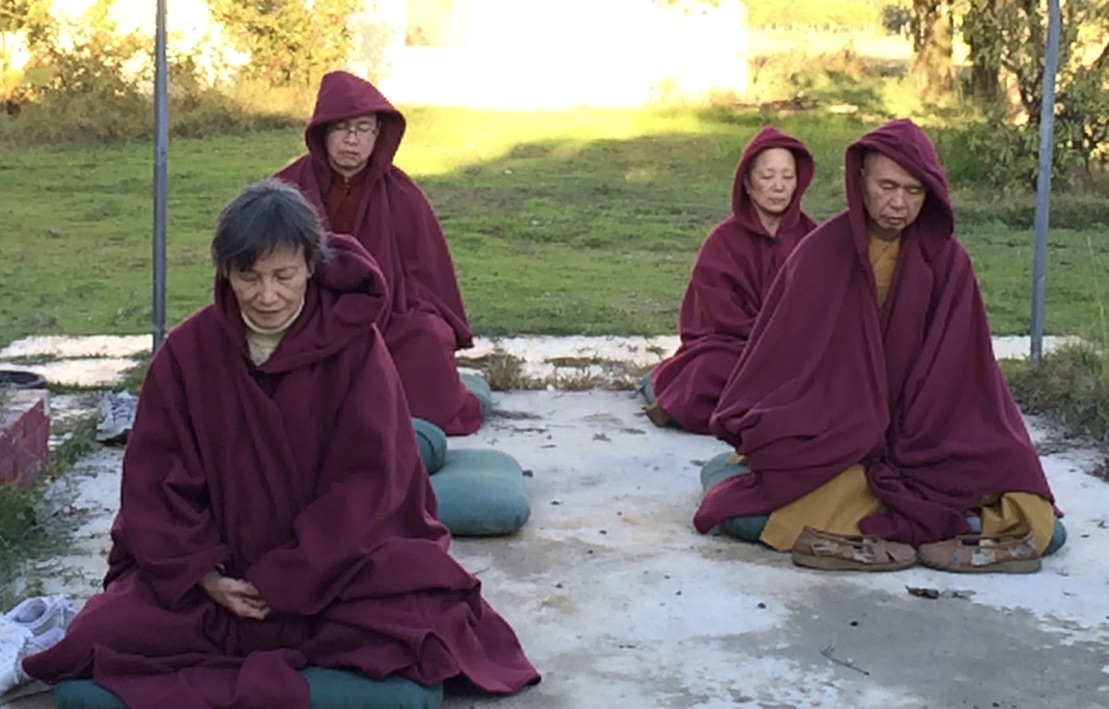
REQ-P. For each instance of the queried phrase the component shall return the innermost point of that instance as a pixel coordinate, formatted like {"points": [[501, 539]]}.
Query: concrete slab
{"points": [[620, 603]]}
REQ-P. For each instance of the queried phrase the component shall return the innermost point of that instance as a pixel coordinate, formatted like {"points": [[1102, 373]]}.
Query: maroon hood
{"points": [[342, 96], [742, 207], [908, 145]]}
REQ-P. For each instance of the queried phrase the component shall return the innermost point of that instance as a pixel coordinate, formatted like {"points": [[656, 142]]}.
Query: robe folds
{"points": [[302, 476], [911, 389], [732, 273]]}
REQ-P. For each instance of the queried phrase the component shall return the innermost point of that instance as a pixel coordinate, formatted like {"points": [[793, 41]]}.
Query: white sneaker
{"points": [[13, 648], [117, 415], [23, 684], [40, 614]]}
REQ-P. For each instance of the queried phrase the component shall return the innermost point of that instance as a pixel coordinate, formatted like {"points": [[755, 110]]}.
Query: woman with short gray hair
{"points": [[277, 528]]}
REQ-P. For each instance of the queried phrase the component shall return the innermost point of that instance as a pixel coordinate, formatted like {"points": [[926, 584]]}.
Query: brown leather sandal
{"points": [[815, 549], [976, 554]]}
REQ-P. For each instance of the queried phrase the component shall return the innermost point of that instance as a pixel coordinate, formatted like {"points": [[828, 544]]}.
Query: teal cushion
{"points": [[646, 388], [329, 689], [84, 694], [716, 471], [481, 493], [1058, 538], [342, 689], [480, 388], [432, 443]]}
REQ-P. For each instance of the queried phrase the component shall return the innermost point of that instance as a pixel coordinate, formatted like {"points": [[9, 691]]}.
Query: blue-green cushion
{"points": [[341, 689], [329, 689], [432, 443], [645, 388], [476, 385], [481, 493], [716, 471], [1058, 538]]}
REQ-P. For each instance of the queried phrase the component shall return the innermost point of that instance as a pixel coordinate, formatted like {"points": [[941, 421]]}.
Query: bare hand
{"points": [[238, 596]]}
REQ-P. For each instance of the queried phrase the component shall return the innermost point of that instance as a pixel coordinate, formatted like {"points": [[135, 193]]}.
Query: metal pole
{"points": [[1043, 181], [161, 177]]}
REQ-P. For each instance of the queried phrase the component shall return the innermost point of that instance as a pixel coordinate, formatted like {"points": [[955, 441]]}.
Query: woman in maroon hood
{"points": [[274, 512], [733, 271], [874, 423], [348, 174]]}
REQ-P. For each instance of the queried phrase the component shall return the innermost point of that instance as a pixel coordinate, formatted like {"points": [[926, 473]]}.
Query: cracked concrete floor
{"points": [[621, 604]]}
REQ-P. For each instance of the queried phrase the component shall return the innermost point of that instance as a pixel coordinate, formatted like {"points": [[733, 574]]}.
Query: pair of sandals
{"points": [[970, 553]]}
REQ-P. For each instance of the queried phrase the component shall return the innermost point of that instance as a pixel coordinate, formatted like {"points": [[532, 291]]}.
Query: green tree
{"points": [[291, 42], [982, 35], [933, 30], [1016, 45]]}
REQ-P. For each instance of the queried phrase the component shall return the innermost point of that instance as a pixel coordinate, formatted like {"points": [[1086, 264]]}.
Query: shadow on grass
{"points": [[592, 231]]}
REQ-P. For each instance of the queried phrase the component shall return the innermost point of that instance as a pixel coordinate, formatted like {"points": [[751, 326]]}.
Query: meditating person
{"points": [[348, 174], [734, 269], [869, 407], [275, 515]]}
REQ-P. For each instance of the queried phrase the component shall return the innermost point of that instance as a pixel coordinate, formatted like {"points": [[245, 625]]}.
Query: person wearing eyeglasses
{"points": [[349, 175]]}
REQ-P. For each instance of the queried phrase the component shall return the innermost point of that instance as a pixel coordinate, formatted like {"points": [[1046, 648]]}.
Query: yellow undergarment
{"points": [[840, 504]]}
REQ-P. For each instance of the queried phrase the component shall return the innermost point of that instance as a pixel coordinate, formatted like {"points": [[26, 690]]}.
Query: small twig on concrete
{"points": [[828, 653]]}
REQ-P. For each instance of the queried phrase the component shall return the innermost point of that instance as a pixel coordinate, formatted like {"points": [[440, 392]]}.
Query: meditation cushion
{"points": [[481, 493], [1058, 538], [716, 471], [480, 388], [329, 689], [646, 388], [432, 442]]}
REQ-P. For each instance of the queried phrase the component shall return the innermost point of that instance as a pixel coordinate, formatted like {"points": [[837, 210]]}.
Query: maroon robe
{"points": [[386, 211], [911, 390], [734, 268], [302, 476]]}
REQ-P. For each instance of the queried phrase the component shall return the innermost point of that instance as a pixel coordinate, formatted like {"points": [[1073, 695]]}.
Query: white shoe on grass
{"points": [[117, 414]]}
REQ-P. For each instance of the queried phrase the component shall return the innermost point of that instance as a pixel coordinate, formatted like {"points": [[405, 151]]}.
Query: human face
{"points": [[772, 181], [893, 198], [351, 142], [270, 292]]}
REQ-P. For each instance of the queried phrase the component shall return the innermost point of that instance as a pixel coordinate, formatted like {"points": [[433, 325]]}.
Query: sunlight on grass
{"points": [[559, 222], [439, 140]]}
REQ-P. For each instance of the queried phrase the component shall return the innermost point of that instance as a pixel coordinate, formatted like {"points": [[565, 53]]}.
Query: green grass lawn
{"points": [[560, 222]]}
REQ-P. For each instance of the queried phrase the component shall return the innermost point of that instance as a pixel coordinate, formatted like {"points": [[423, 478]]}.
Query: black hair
{"points": [[266, 216]]}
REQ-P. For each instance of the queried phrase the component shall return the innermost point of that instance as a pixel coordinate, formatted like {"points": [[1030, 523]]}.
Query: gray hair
{"points": [[265, 216]]}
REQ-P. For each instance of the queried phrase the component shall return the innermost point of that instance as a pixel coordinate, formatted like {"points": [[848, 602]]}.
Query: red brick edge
{"points": [[24, 435]]}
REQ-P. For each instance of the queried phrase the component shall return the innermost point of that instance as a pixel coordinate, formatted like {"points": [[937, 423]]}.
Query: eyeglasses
{"points": [[361, 129]]}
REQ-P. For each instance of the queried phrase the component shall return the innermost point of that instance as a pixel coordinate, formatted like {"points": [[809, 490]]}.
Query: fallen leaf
{"points": [[922, 592]]}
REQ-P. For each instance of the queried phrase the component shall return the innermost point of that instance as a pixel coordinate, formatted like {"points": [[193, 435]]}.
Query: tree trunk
{"points": [[933, 29]]}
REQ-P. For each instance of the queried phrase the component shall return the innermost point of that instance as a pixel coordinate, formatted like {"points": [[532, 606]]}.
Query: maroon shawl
{"points": [[733, 271], [301, 476], [395, 223], [912, 390]]}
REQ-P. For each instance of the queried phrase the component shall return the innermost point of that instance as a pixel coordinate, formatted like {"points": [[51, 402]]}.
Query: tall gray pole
{"points": [[1043, 181], [161, 176]]}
